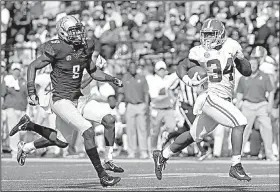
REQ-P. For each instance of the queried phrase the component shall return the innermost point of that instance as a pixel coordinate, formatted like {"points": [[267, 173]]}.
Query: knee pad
{"points": [[108, 121], [89, 133]]}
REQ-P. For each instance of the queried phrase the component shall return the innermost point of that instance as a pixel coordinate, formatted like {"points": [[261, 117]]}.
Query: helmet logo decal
{"points": [[68, 58]]}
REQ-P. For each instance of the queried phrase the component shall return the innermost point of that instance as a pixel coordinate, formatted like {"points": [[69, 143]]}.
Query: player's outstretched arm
{"points": [[39, 63], [99, 75], [242, 64]]}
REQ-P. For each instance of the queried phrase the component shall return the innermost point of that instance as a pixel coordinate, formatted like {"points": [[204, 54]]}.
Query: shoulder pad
{"points": [[194, 53], [48, 49], [51, 47], [232, 45]]}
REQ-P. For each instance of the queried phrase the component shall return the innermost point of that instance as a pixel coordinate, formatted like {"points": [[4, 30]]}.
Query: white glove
{"points": [[238, 55], [195, 81]]}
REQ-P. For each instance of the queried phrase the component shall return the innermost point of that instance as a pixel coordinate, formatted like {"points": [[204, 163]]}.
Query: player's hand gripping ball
{"points": [[198, 75]]}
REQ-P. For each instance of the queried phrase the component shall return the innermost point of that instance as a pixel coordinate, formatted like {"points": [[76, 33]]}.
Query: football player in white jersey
{"points": [[218, 55]]}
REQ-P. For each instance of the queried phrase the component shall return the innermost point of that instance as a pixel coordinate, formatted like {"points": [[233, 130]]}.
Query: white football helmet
{"points": [[71, 30], [212, 34]]}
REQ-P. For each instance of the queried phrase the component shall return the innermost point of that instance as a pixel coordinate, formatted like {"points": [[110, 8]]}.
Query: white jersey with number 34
{"points": [[219, 65]]}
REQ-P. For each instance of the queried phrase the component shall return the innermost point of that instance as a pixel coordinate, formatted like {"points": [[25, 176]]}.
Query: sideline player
{"points": [[68, 57], [213, 106]]}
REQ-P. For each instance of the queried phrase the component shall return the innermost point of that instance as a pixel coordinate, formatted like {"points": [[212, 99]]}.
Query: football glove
{"points": [[195, 81], [33, 100], [117, 82]]}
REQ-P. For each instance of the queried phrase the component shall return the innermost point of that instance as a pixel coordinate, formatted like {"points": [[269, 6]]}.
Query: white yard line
{"points": [[65, 160]]}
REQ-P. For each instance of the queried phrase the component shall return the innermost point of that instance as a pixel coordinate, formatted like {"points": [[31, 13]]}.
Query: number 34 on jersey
{"points": [[215, 71], [219, 65]]}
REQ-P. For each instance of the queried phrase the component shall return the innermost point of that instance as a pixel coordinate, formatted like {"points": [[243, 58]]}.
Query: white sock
{"points": [[108, 153], [236, 159], [28, 147], [167, 152]]}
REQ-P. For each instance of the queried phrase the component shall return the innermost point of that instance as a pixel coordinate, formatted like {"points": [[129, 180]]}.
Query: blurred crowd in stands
{"points": [[145, 38]]}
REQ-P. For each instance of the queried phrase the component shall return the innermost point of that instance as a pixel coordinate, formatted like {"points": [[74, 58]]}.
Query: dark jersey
{"points": [[68, 65]]}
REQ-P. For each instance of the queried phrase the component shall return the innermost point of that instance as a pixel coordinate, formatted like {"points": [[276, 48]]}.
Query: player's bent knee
{"points": [[108, 121], [89, 133]]}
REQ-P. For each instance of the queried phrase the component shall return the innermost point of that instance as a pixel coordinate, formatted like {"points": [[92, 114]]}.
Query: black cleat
{"points": [[111, 166], [60, 143], [160, 162], [21, 125], [238, 173], [108, 180], [21, 155]]}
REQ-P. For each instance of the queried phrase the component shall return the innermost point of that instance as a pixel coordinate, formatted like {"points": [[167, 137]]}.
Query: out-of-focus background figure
{"points": [[141, 43]]}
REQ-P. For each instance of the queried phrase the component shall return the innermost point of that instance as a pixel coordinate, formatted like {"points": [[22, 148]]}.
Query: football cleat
{"points": [[111, 166], [108, 180], [21, 125], [21, 155], [238, 173], [160, 163]]}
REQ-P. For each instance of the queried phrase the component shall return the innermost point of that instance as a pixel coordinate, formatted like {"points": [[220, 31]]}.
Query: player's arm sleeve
{"points": [[42, 61], [241, 63], [95, 72], [243, 66]]}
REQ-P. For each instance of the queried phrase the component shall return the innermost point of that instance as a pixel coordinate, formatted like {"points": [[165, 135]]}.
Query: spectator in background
{"points": [[4, 131], [263, 33], [129, 23], [136, 15], [112, 15], [5, 17], [275, 120], [62, 11], [75, 9], [109, 40], [162, 103], [86, 19], [252, 101], [97, 12], [99, 24], [41, 32], [136, 95], [160, 42], [15, 102]]}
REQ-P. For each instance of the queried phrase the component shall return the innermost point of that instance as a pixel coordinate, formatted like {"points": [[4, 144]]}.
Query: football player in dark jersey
{"points": [[68, 57]]}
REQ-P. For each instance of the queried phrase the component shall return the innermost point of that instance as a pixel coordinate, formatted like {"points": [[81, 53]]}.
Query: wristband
{"points": [[31, 88]]}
